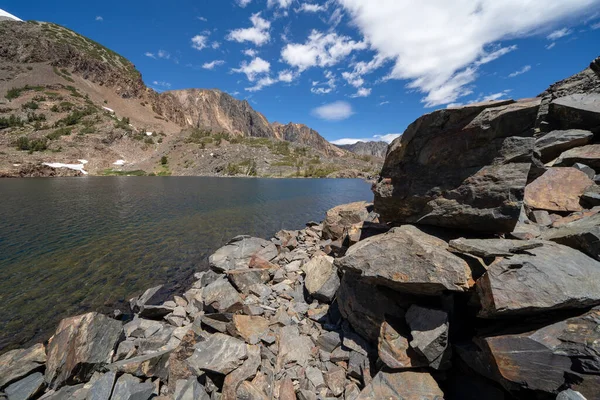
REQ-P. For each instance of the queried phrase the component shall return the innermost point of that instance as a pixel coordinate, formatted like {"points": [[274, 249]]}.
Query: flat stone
{"points": [[322, 279], [429, 329], [576, 111], [102, 388], [293, 347], [492, 247], [407, 260], [131, 388], [315, 376], [219, 353], [246, 371], [217, 321], [351, 391], [336, 381], [540, 217], [147, 297], [81, 345], [558, 189], [76, 392], [582, 234], [394, 349], [146, 366], [222, 297], [178, 367], [329, 341], [551, 277], [190, 389], [585, 169], [286, 390], [26, 388], [243, 279], [155, 312], [406, 385], [250, 328], [339, 218], [591, 197], [552, 144], [339, 354], [240, 251], [247, 391], [588, 155], [16, 364], [570, 395]]}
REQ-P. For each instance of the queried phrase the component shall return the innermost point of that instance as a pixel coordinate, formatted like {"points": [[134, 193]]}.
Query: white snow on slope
{"points": [[75, 167], [9, 15]]}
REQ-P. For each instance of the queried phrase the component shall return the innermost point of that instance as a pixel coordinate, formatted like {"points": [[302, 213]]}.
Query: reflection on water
{"points": [[70, 245]]}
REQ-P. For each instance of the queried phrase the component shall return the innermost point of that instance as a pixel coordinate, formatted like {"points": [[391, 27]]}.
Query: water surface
{"points": [[71, 245]]}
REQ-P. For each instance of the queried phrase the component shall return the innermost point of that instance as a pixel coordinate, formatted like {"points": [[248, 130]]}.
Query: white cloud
{"points": [[362, 92], [595, 26], [550, 46], [148, 54], [325, 87], [523, 70], [215, 45], [165, 85], [257, 34], [243, 3], [199, 42], [250, 52], [388, 138], [560, 33], [336, 111], [321, 50], [99, 18], [256, 67], [286, 76], [160, 54], [442, 61], [311, 8], [213, 64], [336, 18], [383, 103], [262, 82], [279, 3], [202, 19]]}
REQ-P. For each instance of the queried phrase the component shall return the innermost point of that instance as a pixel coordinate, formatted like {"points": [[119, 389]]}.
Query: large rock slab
{"points": [[102, 388], [550, 277], [429, 329], [222, 297], [489, 248], [246, 371], [19, 363], [342, 217], [461, 168], [577, 111], [547, 358], [588, 155], [240, 252], [190, 389], [250, 328], [408, 260], [582, 234], [552, 144], [322, 279], [26, 388], [293, 347], [406, 385], [131, 388], [219, 353], [558, 189], [146, 366], [81, 345]]}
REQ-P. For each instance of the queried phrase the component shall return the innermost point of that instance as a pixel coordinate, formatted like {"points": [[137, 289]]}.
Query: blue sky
{"points": [[351, 69]]}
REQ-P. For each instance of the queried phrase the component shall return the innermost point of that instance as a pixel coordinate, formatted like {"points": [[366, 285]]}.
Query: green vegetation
{"points": [[123, 123], [246, 167], [31, 105], [39, 98], [149, 140], [33, 117], [58, 133], [23, 143], [75, 117], [16, 92], [164, 160], [63, 73], [112, 172], [319, 172], [198, 136], [74, 91], [10, 122]]}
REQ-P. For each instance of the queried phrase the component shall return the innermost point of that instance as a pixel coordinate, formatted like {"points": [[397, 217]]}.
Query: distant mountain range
{"points": [[374, 149]]}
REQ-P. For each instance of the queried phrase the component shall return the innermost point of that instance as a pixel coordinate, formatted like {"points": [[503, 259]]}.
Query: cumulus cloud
{"points": [[199, 42], [257, 34], [254, 68], [286, 76], [279, 3], [362, 92], [336, 111], [388, 138], [161, 84], [99, 18], [215, 45], [560, 33], [523, 70], [211, 65], [320, 49], [443, 60], [311, 8], [324, 87], [243, 3], [250, 52]]}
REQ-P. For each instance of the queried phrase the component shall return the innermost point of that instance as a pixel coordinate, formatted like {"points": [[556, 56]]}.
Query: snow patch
{"points": [[9, 15], [148, 133], [110, 110], [119, 162], [74, 167], [83, 161]]}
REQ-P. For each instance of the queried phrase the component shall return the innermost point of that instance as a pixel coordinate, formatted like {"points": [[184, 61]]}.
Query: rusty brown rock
{"points": [[17, 364], [406, 385], [342, 217], [179, 369], [395, 351], [245, 371], [588, 155], [558, 189], [250, 328], [248, 391], [286, 390]]}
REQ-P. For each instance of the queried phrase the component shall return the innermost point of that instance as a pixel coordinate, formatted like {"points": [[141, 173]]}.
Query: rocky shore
{"points": [[475, 275]]}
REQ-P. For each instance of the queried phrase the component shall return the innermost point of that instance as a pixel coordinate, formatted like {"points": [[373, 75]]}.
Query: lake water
{"points": [[71, 245]]}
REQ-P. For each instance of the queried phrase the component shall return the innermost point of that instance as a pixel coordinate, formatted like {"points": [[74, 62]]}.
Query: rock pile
{"points": [[476, 276]]}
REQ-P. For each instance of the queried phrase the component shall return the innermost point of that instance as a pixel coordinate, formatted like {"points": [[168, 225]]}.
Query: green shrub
{"points": [[197, 136], [39, 98], [33, 117], [164, 160], [23, 143], [31, 105], [13, 93], [319, 172], [148, 140], [75, 117], [10, 122], [58, 133], [245, 167]]}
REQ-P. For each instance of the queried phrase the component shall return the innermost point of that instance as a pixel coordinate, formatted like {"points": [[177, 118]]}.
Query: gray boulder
{"points": [[26, 388], [146, 366], [102, 388], [242, 252], [551, 277], [460, 168], [585, 169], [570, 395], [131, 388], [222, 297], [219, 353], [582, 234], [406, 385], [190, 389], [408, 260], [19, 363], [322, 279], [552, 144], [492, 247], [577, 111], [429, 329], [591, 197]]}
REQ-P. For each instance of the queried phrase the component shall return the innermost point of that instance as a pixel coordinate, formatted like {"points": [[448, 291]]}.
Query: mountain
{"points": [[78, 100], [374, 149]]}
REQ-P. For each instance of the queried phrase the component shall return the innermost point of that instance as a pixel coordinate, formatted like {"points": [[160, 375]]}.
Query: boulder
{"points": [[429, 329], [293, 347], [588, 155], [490, 248], [81, 345], [550, 277], [190, 389], [146, 366], [558, 189], [340, 218], [591, 197], [406, 385], [131, 388], [250, 328], [585, 169], [577, 111], [102, 388], [322, 279], [582, 234], [222, 297], [219, 353], [570, 395], [245, 278], [179, 368], [548, 358], [26, 388], [16, 364], [460, 168], [246, 371], [240, 252], [394, 349], [552, 144], [408, 260]]}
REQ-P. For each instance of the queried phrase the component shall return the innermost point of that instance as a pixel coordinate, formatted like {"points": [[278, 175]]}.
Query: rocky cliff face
{"points": [[298, 133], [373, 149]]}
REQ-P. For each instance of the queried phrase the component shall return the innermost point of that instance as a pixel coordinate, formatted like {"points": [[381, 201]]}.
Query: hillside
{"points": [[373, 149], [66, 98]]}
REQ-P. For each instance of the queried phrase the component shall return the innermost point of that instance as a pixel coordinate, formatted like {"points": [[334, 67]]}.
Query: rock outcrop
{"points": [[371, 149]]}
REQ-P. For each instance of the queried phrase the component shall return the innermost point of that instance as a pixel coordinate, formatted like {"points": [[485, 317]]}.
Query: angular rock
{"points": [[588, 155], [339, 218], [218, 321], [336, 381], [394, 350], [582, 234], [222, 297], [351, 391], [80, 346], [577, 111], [315, 376], [329, 341], [492, 247], [591, 197], [570, 395], [550, 277], [293, 347], [405, 385], [76, 392], [155, 312], [190, 389], [429, 329], [147, 297], [461, 168], [322, 280], [219, 353], [246, 371], [243, 279], [17, 364], [407, 260], [286, 390], [558, 189], [26, 388], [247, 391], [552, 144], [103, 387], [540, 217], [250, 328], [146, 366], [240, 251], [131, 388], [585, 169]]}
